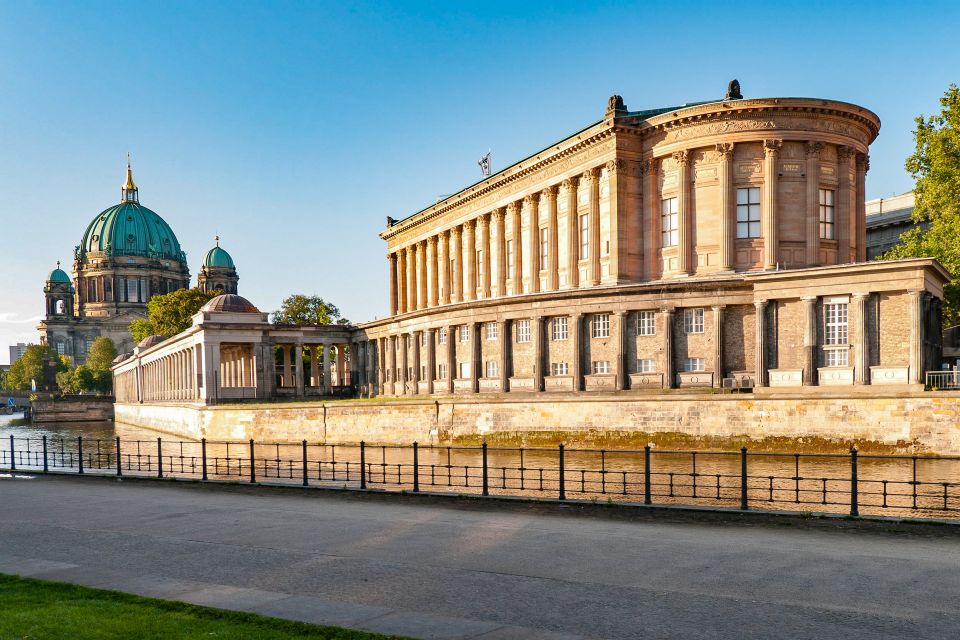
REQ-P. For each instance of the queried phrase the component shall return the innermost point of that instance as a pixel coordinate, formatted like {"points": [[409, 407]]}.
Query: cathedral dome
{"points": [[59, 275], [230, 303], [217, 257]]}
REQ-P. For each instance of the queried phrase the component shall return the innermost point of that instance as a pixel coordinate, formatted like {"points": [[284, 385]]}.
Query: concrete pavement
{"points": [[436, 570]]}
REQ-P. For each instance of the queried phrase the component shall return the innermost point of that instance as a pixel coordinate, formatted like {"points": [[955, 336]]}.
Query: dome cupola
{"points": [[218, 271], [218, 257]]}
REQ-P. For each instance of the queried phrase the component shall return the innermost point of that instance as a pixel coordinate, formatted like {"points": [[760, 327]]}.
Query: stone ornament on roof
{"points": [[733, 91]]}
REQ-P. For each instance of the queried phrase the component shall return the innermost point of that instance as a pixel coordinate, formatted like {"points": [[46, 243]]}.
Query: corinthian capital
{"points": [[844, 153], [498, 214], [813, 149], [772, 147], [569, 184], [549, 192], [530, 200], [650, 166], [512, 208], [682, 157], [863, 162], [617, 166], [725, 149]]}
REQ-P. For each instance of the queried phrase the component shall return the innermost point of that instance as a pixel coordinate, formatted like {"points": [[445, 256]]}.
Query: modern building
{"points": [[127, 255], [711, 244], [17, 350], [887, 220]]}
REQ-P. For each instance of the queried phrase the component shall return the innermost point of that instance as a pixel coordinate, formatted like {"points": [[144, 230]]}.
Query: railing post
{"points": [[363, 466], [563, 488], [646, 475], [203, 458], [854, 506], [253, 470], [416, 468], [13, 462], [159, 458], [743, 479], [304, 463], [119, 471], [486, 490], [45, 468], [79, 454]]}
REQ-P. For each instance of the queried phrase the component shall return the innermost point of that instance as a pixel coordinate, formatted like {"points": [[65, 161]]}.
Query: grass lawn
{"points": [[36, 609]]}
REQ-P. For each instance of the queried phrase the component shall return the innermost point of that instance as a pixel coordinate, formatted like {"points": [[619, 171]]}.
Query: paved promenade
{"points": [[436, 570]]}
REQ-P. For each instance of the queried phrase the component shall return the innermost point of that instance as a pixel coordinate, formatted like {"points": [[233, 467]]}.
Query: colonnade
{"points": [[170, 377]]}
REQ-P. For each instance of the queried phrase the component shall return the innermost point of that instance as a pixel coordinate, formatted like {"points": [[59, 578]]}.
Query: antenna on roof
{"points": [[484, 163]]}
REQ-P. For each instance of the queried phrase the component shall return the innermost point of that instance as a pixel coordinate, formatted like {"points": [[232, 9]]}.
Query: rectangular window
{"points": [[646, 365], [585, 236], [601, 326], [464, 370], [835, 325], [442, 336], [826, 214], [464, 330], [491, 331], [132, 291], [61, 347], [693, 320], [837, 357], [523, 331], [748, 212], [544, 248], [601, 366], [491, 368], [509, 258], [559, 328], [441, 372], [646, 323], [559, 369], [669, 223], [694, 364]]}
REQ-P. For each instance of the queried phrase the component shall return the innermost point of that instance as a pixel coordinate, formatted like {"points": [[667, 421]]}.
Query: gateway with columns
{"points": [[712, 244]]}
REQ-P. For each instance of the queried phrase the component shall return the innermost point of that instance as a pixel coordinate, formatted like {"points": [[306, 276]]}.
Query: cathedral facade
{"points": [[127, 255]]}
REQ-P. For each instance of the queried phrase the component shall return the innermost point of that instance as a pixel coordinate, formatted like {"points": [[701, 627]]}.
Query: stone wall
{"points": [[928, 422], [73, 409]]}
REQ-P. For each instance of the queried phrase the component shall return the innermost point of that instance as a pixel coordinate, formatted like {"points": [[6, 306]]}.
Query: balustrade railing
{"points": [[943, 380]]}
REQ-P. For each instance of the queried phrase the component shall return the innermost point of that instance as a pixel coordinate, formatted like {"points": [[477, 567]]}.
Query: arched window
{"points": [[60, 308]]}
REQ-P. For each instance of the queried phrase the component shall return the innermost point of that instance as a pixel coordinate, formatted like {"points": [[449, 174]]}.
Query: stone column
{"points": [[327, 382], [431, 359], [501, 257], [539, 335], [576, 335], [651, 209], [432, 271], [619, 219], [412, 285], [456, 267], [760, 346], [684, 213], [813, 203], [298, 367], [553, 268], [623, 369], [506, 344], [470, 255], [451, 357], [861, 348], [401, 280], [476, 357], [443, 267], [416, 338], [666, 315], [573, 228], [485, 261], [314, 367], [594, 226], [768, 225], [287, 368], [860, 211], [513, 210], [718, 344], [392, 260], [728, 210], [845, 204], [916, 375], [530, 205], [404, 376], [809, 339]]}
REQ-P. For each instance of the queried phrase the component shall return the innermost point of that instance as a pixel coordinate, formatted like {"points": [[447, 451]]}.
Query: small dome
{"points": [[59, 275], [230, 303], [150, 341], [217, 257], [123, 356]]}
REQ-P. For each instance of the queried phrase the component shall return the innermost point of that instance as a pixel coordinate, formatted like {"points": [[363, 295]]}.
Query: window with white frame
{"points": [[694, 364], [544, 248], [585, 236], [559, 369], [669, 223], [646, 323], [441, 372], [442, 336], [464, 370], [523, 331], [61, 347], [491, 331], [646, 365], [836, 333], [693, 320], [826, 214], [509, 258], [601, 326], [464, 330], [559, 329], [748, 212], [601, 366], [491, 368]]}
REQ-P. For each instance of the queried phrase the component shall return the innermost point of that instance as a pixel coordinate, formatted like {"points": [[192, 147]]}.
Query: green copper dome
{"points": [[130, 229], [217, 257], [59, 275]]}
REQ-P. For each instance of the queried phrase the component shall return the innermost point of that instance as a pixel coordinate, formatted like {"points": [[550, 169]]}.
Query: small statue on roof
{"points": [[733, 91], [390, 222], [615, 105]]}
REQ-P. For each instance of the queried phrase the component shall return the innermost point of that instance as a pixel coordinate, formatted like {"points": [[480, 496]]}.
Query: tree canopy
{"points": [[170, 313], [29, 366], [935, 165], [301, 309], [95, 374]]}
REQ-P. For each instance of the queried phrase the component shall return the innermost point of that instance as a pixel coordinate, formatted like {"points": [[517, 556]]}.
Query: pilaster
{"points": [[669, 377], [861, 352], [845, 204], [728, 206], [684, 213], [760, 346], [718, 363], [813, 203], [809, 339]]}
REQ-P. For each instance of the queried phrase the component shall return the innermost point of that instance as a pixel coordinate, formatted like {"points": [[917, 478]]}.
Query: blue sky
{"points": [[293, 129]]}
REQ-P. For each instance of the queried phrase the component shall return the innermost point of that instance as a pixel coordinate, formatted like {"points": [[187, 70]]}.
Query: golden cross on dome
{"points": [[217, 238]]}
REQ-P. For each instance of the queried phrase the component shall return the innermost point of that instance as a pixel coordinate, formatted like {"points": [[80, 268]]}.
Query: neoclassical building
{"points": [[714, 244], [127, 255]]}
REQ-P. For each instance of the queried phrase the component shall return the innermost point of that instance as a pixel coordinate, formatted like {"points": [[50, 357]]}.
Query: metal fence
{"points": [[945, 380], [854, 483]]}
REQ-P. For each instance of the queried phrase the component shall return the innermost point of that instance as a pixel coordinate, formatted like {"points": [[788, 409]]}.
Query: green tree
{"points": [[101, 355], [935, 165], [301, 309], [29, 366], [170, 313], [77, 380]]}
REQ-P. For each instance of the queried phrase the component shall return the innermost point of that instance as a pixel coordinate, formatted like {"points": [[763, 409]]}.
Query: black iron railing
{"points": [[853, 483]]}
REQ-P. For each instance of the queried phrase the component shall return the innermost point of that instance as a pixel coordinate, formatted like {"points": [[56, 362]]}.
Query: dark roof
{"points": [[230, 303]]}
